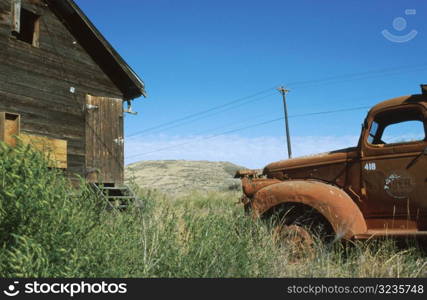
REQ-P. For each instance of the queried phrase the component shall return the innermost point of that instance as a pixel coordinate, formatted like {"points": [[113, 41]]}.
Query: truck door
{"points": [[104, 139], [394, 164]]}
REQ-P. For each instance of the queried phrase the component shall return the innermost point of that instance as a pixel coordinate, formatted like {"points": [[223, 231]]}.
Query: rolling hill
{"points": [[181, 176]]}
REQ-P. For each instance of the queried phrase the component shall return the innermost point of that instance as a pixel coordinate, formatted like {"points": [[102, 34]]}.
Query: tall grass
{"points": [[49, 229]]}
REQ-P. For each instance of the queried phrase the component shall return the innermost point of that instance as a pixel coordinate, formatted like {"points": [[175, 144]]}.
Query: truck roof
{"points": [[410, 99]]}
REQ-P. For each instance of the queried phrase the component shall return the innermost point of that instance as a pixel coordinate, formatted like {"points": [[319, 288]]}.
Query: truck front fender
{"points": [[333, 203]]}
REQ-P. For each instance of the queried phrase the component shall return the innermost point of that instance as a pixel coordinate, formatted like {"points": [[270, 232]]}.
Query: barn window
{"points": [[28, 27]]}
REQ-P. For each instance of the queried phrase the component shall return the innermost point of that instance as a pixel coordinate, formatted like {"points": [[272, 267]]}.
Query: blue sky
{"points": [[195, 55]]}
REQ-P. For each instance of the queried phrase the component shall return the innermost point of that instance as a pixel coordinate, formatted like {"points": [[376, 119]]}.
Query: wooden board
{"points": [[16, 15], [104, 140], [9, 128], [54, 149]]}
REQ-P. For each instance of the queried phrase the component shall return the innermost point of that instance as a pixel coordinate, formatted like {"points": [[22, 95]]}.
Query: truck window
{"points": [[373, 132], [397, 126], [404, 132]]}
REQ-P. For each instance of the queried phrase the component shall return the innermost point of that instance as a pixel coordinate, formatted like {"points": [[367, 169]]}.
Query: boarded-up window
{"points": [[9, 127], [55, 150]]}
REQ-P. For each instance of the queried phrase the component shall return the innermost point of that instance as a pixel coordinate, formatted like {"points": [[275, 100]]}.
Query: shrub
{"points": [[41, 218]]}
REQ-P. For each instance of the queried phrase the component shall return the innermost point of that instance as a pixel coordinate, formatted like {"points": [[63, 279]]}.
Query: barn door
{"points": [[104, 139]]}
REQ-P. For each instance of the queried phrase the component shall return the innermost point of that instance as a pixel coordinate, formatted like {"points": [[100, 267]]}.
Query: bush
{"points": [[41, 218]]}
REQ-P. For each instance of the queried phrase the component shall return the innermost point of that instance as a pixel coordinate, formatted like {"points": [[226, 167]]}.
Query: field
{"points": [[48, 229]]}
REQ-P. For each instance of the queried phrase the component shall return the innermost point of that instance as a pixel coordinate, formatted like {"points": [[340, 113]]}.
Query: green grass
{"points": [[48, 229]]}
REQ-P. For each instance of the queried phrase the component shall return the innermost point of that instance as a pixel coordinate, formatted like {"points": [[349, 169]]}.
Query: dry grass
{"points": [[212, 222], [49, 230]]}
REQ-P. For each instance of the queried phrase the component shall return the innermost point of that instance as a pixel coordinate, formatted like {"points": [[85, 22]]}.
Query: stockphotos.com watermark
{"points": [[70, 289], [400, 24]]}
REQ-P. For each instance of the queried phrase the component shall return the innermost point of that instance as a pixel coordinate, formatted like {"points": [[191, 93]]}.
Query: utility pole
{"points": [[284, 91]]}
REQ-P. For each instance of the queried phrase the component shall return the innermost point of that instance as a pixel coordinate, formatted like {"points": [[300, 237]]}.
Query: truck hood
{"points": [[322, 159]]}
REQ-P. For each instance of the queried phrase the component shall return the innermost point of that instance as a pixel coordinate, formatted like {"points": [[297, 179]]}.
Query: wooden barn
{"points": [[62, 88]]}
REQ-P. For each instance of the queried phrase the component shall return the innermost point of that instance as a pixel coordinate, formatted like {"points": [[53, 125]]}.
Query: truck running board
{"points": [[390, 233]]}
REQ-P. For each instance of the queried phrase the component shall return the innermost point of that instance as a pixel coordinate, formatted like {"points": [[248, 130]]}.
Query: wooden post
{"points": [[16, 16], [284, 91]]}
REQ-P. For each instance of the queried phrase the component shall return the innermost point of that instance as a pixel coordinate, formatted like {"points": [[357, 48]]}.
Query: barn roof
{"points": [[98, 48]]}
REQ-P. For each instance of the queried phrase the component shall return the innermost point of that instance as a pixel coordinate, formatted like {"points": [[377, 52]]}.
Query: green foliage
{"points": [[41, 218], [50, 229]]}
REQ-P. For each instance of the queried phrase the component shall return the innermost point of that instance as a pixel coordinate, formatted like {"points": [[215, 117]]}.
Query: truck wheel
{"points": [[297, 239], [299, 226]]}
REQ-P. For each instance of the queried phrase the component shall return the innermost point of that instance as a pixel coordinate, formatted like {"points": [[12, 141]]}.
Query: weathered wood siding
{"points": [[35, 82]]}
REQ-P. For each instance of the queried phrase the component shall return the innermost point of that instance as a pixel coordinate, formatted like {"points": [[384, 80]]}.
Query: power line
{"points": [[145, 132], [372, 76], [227, 125], [257, 116], [208, 138], [248, 127], [381, 72], [307, 83], [358, 74], [249, 118], [330, 111], [202, 112]]}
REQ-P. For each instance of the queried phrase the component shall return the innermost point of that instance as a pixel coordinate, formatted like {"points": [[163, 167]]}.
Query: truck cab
{"points": [[378, 188]]}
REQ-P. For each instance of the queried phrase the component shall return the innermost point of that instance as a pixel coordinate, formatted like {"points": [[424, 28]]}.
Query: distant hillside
{"points": [[178, 176]]}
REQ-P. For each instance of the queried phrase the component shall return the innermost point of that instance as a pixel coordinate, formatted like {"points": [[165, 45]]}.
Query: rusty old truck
{"points": [[376, 189]]}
